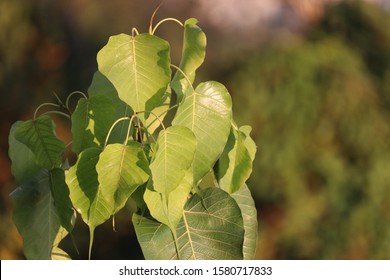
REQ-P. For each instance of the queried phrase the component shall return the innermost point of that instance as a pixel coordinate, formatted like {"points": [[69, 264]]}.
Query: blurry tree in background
{"points": [[318, 100], [322, 179]]}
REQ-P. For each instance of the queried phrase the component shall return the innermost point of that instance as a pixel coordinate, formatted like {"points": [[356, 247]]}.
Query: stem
{"points": [[166, 111], [148, 135], [70, 96], [164, 20], [59, 100], [58, 113], [128, 129], [174, 234], [113, 223], [112, 127], [184, 75], [152, 18], [44, 105], [91, 236], [134, 31], [156, 118]]}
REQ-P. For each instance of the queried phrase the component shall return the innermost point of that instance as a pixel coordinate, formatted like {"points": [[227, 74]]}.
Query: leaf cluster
{"points": [[146, 134]]}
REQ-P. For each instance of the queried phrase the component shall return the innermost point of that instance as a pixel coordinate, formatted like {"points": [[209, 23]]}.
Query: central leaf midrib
{"points": [[188, 234], [45, 149], [122, 160], [135, 74]]}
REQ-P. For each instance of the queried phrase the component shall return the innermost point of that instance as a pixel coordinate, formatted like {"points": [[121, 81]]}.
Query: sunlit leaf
{"points": [[121, 170], [211, 228], [194, 52], [85, 192], [138, 67], [102, 86], [38, 135], [249, 142], [208, 113], [91, 122], [235, 164], [59, 254], [175, 152], [245, 201], [168, 209]]}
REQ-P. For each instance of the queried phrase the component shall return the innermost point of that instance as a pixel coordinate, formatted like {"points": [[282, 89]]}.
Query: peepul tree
{"points": [[141, 134]]}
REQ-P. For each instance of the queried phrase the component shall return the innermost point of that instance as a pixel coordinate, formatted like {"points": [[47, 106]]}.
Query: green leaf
{"points": [[249, 143], [235, 164], [175, 152], [211, 228], [102, 86], [38, 135], [138, 67], [91, 122], [60, 194], [85, 192], [59, 254], [153, 121], [245, 201], [168, 209], [23, 163], [208, 113], [194, 52], [36, 217], [121, 170]]}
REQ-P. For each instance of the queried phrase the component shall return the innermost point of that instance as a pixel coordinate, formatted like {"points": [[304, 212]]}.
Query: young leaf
{"points": [[91, 122], [211, 228], [175, 152], [38, 135], [235, 164], [36, 216], [138, 67], [121, 170], [23, 163], [208, 113], [194, 52], [245, 201], [168, 209], [249, 143]]}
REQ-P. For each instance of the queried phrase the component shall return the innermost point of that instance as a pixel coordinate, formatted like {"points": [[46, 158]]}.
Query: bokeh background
{"points": [[312, 77]]}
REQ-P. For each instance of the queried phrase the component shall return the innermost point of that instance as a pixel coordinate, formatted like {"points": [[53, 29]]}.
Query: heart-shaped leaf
{"points": [[60, 194], [138, 67], [38, 135], [211, 228], [121, 170], [23, 163], [235, 164], [194, 52], [36, 216], [168, 209], [85, 192], [175, 152], [208, 113], [245, 201]]}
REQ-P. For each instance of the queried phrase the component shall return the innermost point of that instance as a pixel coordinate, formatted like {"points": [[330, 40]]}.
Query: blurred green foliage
{"points": [[322, 126]]}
